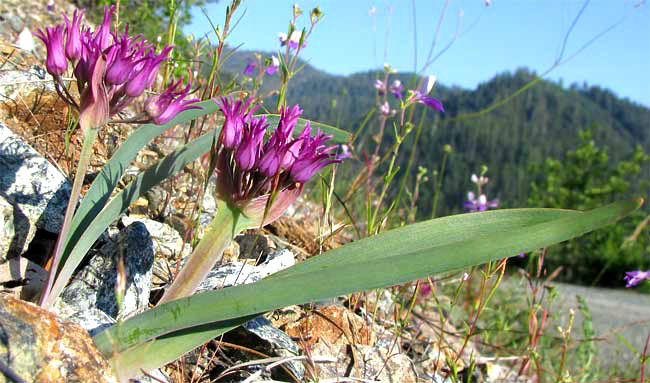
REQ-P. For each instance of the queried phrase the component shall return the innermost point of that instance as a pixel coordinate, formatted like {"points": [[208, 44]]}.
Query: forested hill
{"points": [[541, 122]]}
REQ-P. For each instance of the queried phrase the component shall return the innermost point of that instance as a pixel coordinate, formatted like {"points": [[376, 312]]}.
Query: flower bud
{"points": [[270, 161], [164, 107], [316, 15], [138, 82], [56, 63], [73, 44], [103, 34]]}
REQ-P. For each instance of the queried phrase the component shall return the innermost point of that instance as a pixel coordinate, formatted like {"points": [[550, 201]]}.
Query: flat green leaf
{"points": [[167, 348], [338, 136], [429, 234], [411, 255]]}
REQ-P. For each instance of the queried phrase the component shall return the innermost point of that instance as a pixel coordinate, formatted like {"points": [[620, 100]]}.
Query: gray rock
{"points": [[238, 273], [158, 376], [372, 363], [94, 286], [91, 319], [17, 83], [22, 278], [33, 194], [209, 207], [275, 342], [167, 244], [166, 240]]}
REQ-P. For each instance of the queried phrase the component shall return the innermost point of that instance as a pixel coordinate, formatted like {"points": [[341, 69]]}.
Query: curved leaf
{"points": [[411, 257]]}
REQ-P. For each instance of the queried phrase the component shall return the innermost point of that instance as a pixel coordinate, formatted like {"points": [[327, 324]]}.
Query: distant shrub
{"points": [[583, 179]]}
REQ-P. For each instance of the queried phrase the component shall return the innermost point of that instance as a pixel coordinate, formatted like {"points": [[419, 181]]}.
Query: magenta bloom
{"points": [[633, 278], [250, 149], [73, 45], [56, 63], [111, 70], [236, 114], [164, 107], [249, 170]]}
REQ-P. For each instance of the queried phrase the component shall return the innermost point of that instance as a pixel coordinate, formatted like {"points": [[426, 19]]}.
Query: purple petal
{"points": [[633, 278], [250, 69], [56, 62], [432, 103]]}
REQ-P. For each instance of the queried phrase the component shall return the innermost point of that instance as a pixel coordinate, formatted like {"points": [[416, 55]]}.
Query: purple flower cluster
{"points": [[111, 70], [293, 41], [250, 170], [395, 88], [633, 278], [271, 68], [474, 204], [421, 95]]}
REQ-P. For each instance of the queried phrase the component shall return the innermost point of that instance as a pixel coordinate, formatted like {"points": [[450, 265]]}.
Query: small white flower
{"points": [[385, 109], [388, 68], [428, 84], [295, 36]]}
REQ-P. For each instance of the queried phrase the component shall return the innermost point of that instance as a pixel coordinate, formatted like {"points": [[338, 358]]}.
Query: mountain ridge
{"points": [[540, 123]]}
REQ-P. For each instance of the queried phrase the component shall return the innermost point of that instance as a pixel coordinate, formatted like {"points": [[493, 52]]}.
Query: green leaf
{"points": [[338, 136], [169, 347], [386, 259]]}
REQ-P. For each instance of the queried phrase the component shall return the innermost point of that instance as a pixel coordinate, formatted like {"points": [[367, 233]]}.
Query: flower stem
{"points": [[227, 223], [52, 290]]}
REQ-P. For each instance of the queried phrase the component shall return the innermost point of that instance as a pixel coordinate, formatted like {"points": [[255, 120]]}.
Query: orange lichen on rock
{"points": [[40, 347]]}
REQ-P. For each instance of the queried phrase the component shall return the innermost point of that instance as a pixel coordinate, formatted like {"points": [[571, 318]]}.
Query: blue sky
{"points": [[504, 36]]}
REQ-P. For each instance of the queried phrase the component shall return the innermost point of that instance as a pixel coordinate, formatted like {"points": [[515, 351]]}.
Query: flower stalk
{"points": [[90, 137], [227, 223]]}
